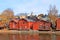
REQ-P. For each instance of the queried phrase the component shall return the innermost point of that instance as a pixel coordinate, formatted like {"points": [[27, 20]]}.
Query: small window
{"points": [[24, 22]]}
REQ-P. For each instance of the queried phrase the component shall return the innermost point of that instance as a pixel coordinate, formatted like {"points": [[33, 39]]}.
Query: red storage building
{"points": [[58, 24], [13, 24], [26, 24], [47, 26], [41, 25], [23, 24], [38, 25]]}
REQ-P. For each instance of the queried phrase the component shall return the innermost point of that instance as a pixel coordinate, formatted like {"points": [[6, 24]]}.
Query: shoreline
{"points": [[5, 31]]}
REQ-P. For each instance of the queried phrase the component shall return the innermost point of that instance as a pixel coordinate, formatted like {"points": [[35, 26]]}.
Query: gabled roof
{"points": [[14, 20]]}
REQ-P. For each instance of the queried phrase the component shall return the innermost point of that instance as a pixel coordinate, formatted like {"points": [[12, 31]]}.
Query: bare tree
{"points": [[52, 14], [53, 11]]}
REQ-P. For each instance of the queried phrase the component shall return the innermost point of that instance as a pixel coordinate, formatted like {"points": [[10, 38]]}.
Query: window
{"points": [[23, 22]]}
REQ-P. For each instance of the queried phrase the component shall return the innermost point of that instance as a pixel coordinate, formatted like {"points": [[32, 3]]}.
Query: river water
{"points": [[29, 37]]}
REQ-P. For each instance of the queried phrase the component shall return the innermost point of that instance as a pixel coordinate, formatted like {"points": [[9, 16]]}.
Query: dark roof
{"points": [[24, 19], [33, 18]]}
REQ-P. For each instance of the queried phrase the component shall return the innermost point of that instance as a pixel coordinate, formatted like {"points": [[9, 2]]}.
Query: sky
{"points": [[28, 6]]}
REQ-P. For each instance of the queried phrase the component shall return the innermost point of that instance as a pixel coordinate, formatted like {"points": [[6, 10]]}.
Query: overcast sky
{"points": [[28, 6]]}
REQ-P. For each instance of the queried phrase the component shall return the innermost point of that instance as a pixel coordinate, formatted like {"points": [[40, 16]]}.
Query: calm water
{"points": [[29, 37]]}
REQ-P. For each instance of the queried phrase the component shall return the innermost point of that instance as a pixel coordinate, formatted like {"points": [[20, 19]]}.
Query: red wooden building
{"points": [[41, 25], [13, 24], [23, 24], [47, 26], [58, 24], [38, 25]]}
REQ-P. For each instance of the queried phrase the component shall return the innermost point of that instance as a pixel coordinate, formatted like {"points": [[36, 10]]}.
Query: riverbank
{"points": [[29, 32]]}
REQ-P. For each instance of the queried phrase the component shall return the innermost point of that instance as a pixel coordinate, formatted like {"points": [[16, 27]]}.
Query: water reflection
{"points": [[57, 37], [45, 37], [29, 37], [24, 37]]}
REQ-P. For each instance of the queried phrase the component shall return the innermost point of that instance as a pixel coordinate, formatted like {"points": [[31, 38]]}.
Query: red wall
{"points": [[47, 26], [58, 24], [13, 25], [23, 24]]}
